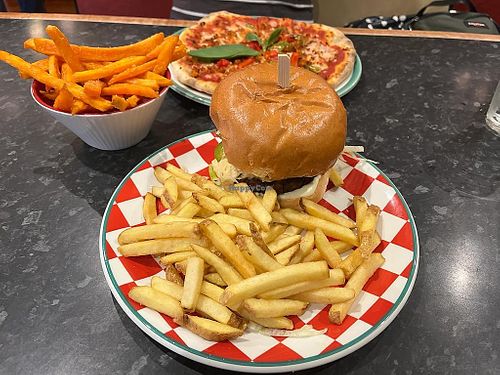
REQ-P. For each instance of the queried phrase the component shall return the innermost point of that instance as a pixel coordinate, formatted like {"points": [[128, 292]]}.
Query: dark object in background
{"points": [[465, 22], [2, 6], [132, 8], [32, 6]]}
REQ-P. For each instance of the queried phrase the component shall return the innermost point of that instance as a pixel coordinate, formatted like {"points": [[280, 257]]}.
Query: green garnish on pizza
{"points": [[223, 42]]}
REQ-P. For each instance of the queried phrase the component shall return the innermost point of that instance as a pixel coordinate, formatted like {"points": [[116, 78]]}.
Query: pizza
{"points": [[322, 49]]}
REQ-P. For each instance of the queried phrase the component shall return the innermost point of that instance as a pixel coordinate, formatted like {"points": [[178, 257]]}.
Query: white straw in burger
{"points": [[283, 70]]}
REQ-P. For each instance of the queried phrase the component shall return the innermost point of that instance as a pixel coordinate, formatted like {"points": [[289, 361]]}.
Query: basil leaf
{"points": [[227, 51], [273, 38], [219, 152], [252, 37]]}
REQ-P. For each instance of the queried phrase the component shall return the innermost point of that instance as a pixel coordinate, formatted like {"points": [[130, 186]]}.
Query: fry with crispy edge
{"points": [[261, 258], [273, 308], [305, 247], [119, 102], [358, 279], [336, 178], [177, 257], [226, 246], [240, 212], [254, 205], [208, 203], [156, 247], [87, 53], [63, 48], [209, 329], [93, 88], [283, 242], [336, 278], [215, 279], [170, 191], [159, 231], [251, 287], [208, 185], [360, 207], [317, 210], [269, 199], [157, 301], [149, 208], [231, 201], [309, 222], [279, 323], [242, 225], [284, 256], [171, 274], [224, 269]]}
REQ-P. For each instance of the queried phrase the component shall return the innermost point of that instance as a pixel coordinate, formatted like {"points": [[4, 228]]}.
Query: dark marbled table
{"points": [[419, 109]]}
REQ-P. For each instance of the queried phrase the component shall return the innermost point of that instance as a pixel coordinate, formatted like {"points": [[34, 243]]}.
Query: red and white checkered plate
{"points": [[377, 305]]}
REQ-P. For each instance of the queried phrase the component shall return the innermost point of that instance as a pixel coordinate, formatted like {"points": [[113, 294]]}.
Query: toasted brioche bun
{"points": [[274, 133], [292, 199]]}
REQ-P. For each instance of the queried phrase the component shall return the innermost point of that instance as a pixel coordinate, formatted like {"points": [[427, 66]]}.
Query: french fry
{"points": [[166, 54], [151, 83], [63, 48], [231, 201], [171, 274], [53, 67], [189, 210], [129, 89], [285, 256], [171, 191], [313, 256], [224, 269], [78, 107], [292, 230], [370, 219], [64, 100], [162, 81], [262, 258], [86, 53], [208, 185], [211, 290], [324, 247], [32, 70], [369, 242], [156, 300], [309, 222], [259, 241], [119, 102], [216, 279], [278, 218], [228, 228], [93, 88], [149, 208], [336, 178], [251, 287], [209, 329], [192, 282], [269, 199], [205, 305], [156, 247], [179, 172], [107, 70], [275, 231], [253, 204], [242, 225], [226, 246], [353, 261], [336, 278], [317, 210], [161, 174], [358, 279], [240, 212], [360, 207], [131, 72], [132, 101], [181, 205], [176, 257], [305, 247], [273, 308], [283, 242], [208, 203], [77, 91], [325, 295], [159, 231], [279, 323]]}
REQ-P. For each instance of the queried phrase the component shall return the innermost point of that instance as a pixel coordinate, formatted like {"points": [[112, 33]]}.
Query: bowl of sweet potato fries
{"points": [[108, 96]]}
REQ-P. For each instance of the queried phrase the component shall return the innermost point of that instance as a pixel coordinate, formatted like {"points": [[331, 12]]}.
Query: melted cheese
{"points": [[304, 191]]}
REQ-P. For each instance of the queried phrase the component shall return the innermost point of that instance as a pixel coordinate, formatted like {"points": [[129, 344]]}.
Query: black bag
{"points": [[465, 22]]}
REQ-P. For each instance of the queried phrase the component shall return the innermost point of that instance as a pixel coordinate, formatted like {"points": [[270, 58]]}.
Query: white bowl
{"points": [[107, 131]]}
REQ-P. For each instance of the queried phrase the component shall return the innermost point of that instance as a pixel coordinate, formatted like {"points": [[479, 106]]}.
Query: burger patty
{"points": [[281, 186]]}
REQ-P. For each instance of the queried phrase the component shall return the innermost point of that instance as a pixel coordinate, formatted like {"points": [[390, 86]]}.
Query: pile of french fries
{"points": [[231, 256], [81, 79]]}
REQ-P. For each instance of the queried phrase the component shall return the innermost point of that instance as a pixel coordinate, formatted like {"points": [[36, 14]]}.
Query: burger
{"points": [[287, 138]]}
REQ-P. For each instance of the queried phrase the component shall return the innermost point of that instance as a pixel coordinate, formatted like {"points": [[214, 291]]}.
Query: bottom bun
{"points": [[290, 200]]}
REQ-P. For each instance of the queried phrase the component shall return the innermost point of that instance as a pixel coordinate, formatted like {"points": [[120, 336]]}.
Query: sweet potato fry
{"points": [[132, 72], [119, 102], [77, 91], [64, 100], [109, 70], [129, 89], [63, 48], [166, 53], [93, 88]]}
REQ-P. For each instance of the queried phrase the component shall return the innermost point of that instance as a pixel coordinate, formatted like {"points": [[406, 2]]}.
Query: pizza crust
{"points": [[182, 73]]}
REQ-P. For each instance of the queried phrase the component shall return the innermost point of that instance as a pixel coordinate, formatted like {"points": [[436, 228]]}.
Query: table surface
{"points": [[419, 109]]}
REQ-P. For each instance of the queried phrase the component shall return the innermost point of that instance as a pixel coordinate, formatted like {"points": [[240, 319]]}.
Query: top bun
{"points": [[274, 133]]}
